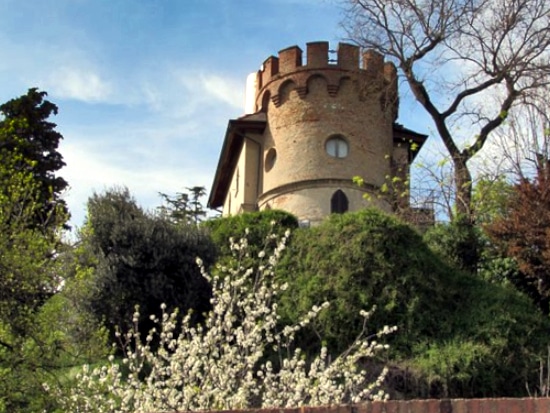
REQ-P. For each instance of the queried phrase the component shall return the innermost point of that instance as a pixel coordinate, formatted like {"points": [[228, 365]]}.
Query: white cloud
{"points": [[210, 89], [80, 84], [224, 90], [163, 165], [68, 71], [188, 94]]}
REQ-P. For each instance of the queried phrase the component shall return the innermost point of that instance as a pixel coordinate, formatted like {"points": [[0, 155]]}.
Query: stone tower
{"points": [[315, 123]]}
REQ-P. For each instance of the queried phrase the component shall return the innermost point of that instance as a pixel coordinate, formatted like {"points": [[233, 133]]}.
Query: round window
{"points": [[270, 159], [337, 147]]}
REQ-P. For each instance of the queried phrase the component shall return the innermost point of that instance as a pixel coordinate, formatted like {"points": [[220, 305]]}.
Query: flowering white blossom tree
{"points": [[238, 357]]}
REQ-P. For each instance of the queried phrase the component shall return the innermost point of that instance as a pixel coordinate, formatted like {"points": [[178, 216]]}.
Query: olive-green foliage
{"points": [[497, 340], [128, 257], [458, 334], [82, 337], [57, 340], [259, 225], [446, 238], [459, 243], [358, 260], [490, 198], [26, 272], [468, 247], [33, 345]]}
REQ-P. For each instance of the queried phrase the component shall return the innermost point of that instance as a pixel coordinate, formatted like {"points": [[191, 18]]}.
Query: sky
{"points": [[145, 88]]}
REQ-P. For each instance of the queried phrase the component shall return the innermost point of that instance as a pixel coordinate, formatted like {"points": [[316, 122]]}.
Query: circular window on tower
{"points": [[270, 159], [337, 146]]}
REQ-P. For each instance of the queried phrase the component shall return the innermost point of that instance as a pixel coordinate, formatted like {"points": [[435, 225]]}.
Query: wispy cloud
{"points": [[223, 89], [96, 168], [79, 84], [212, 88], [186, 93]]}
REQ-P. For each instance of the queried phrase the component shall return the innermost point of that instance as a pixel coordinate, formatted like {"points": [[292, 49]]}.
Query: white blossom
{"points": [[222, 363]]}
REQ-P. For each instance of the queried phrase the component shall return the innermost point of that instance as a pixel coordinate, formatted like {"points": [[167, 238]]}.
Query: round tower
{"points": [[327, 120]]}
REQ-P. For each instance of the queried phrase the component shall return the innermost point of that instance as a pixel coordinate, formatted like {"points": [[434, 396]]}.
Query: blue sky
{"points": [[145, 88]]}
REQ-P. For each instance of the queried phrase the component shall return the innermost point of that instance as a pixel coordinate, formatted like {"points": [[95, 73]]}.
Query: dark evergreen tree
{"points": [[28, 132], [133, 258], [186, 207]]}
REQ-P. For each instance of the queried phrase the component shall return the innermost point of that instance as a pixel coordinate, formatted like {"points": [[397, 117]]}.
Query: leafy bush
{"points": [[459, 244], [256, 225], [367, 258], [222, 363], [357, 260], [128, 257]]}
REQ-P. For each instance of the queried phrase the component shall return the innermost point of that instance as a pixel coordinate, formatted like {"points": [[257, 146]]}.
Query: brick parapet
{"points": [[503, 405], [289, 66]]}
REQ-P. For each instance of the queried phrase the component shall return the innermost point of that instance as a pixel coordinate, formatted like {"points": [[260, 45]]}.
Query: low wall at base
{"points": [[527, 405]]}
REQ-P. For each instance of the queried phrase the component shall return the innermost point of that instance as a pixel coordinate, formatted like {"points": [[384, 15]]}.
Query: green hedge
{"points": [[458, 335], [259, 225]]}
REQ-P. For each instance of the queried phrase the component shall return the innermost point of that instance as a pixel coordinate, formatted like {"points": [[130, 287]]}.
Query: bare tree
{"points": [[523, 142], [435, 187], [435, 182], [454, 55]]}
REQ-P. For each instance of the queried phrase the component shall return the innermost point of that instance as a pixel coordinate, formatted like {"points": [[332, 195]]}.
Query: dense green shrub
{"points": [[458, 243], [225, 364], [259, 225], [127, 257], [362, 259], [445, 239], [458, 335]]}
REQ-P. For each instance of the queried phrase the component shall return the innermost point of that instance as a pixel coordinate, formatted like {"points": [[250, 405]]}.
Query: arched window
{"points": [[265, 101], [337, 147], [338, 203]]}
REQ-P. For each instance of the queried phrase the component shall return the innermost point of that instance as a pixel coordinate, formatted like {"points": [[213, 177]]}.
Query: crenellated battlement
{"points": [[290, 60], [368, 67]]}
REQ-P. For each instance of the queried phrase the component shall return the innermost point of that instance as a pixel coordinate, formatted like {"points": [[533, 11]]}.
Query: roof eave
{"points": [[402, 134], [233, 141]]}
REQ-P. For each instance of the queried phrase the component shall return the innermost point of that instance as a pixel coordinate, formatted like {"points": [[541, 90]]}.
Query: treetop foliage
{"points": [[186, 207], [256, 226], [25, 129], [129, 257]]}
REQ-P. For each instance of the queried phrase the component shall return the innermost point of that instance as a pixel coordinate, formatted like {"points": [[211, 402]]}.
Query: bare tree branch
{"points": [[481, 50]]}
